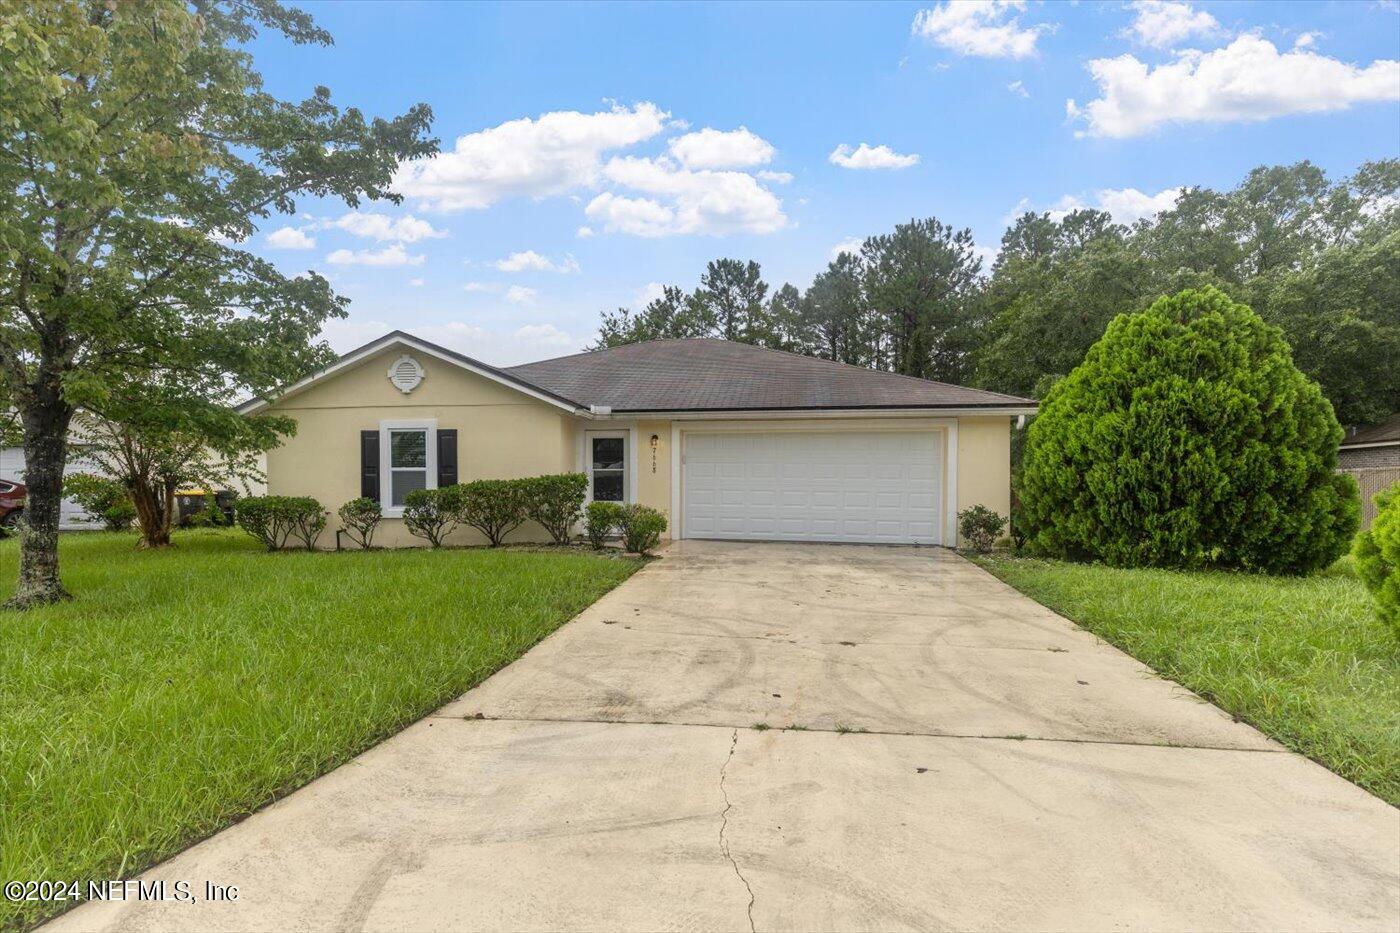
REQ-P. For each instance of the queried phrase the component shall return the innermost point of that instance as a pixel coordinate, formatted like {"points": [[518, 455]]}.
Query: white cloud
{"points": [[1306, 40], [520, 295], [1019, 89], [480, 287], [382, 227], [777, 178], [415, 283], [988, 255], [710, 148], [850, 245], [583, 233], [647, 294], [531, 261], [984, 28], [389, 256], [870, 157], [536, 158], [1163, 24], [1248, 80], [1126, 205], [522, 344], [544, 334], [711, 203], [290, 238]]}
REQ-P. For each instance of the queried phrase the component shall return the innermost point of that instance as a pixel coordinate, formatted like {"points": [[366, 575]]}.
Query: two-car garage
{"points": [[876, 486]]}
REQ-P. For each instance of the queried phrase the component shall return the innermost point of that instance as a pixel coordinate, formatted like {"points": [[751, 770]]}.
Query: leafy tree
{"points": [[102, 498], [790, 328], [1048, 305], [138, 147], [731, 301], [1188, 438], [672, 315], [1341, 313], [838, 318], [921, 280], [158, 448]]}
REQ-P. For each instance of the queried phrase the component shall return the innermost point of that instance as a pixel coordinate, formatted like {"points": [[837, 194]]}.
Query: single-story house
{"points": [[1372, 455], [729, 440], [1373, 447]]}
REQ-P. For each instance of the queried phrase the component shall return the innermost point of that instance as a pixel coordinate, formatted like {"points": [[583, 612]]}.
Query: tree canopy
{"points": [[139, 149], [1316, 258]]}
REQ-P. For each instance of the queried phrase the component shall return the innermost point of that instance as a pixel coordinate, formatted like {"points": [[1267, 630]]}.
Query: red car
{"points": [[12, 497]]}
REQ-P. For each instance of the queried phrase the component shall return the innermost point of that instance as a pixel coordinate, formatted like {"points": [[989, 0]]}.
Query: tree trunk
{"points": [[46, 417], [153, 505]]}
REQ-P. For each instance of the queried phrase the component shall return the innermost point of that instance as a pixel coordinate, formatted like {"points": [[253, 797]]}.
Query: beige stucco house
{"points": [[730, 441]]}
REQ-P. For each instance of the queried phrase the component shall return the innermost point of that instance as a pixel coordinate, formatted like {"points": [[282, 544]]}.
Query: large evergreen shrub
{"points": [[1187, 438]]}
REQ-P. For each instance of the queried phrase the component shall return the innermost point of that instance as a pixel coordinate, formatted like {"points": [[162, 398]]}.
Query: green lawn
{"points": [[1302, 659], [184, 689]]}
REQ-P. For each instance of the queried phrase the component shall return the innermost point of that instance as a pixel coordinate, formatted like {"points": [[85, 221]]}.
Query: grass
{"points": [[184, 689], [1304, 660]]}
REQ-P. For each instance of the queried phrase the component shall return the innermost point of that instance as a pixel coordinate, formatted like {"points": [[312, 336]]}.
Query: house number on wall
{"points": [[654, 439]]}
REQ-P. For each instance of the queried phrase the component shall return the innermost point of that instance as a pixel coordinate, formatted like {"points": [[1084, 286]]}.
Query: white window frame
{"points": [[629, 450], [386, 469]]}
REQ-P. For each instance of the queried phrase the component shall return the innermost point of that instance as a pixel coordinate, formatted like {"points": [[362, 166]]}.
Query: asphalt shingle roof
{"points": [[707, 374], [1387, 432]]}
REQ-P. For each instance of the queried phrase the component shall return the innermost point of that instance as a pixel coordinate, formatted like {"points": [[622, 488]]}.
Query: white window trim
{"points": [[629, 454], [386, 469]]}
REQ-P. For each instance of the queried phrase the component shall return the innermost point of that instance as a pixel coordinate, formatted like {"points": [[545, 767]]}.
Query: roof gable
{"points": [[398, 340]]}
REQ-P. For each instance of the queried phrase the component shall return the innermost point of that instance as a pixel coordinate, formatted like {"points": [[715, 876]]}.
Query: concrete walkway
{"points": [[943, 754]]}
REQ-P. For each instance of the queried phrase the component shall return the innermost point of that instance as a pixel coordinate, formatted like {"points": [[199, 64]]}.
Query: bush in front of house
{"points": [[495, 507], [360, 517], [1188, 438], [600, 520], [1377, 553], [641, 528], [556, 502], [433, 514], [101, 497], [274, 520], [980, 527]]}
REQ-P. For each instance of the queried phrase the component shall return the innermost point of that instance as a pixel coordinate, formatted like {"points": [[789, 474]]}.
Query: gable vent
{"points": [[406, 373]]}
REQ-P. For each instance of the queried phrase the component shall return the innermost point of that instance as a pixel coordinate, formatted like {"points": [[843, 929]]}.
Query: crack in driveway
{"points": [[724, 826]]}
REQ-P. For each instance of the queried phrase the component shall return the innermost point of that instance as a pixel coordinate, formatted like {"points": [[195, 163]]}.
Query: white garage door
{"points": [[877, 486]]}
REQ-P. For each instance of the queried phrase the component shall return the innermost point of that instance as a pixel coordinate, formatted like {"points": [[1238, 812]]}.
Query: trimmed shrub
{"points": [[556, 502], [600, 520], [1377, 553], [641, 527], [308, 520], [103, 498], [495, 507], [360, 517], [433, 513], [274, 520], [1187, 438], [980, 527]]}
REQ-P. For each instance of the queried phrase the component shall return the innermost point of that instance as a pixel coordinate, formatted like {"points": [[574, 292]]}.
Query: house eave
{"points": [[703, 414]]}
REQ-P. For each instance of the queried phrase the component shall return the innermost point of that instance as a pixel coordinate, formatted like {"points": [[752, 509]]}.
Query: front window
{"points": [[407, 461], [607, 469], [408, 464]]}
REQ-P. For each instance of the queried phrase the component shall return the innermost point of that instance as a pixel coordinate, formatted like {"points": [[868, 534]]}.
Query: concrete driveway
{"points": [[942, 753]]}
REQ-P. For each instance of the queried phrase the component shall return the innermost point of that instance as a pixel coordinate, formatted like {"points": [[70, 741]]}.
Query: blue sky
{"points": [[591, 151]]}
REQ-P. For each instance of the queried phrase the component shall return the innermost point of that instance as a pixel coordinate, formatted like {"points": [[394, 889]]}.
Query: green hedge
{"points": [[276, 520]]}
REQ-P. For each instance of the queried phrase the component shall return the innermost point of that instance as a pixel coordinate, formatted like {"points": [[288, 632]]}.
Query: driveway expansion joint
{"points": [[817, 730]]}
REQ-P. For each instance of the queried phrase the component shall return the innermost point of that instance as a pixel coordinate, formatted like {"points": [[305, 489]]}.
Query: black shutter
{"points": [[369, 465], [447, 458]]}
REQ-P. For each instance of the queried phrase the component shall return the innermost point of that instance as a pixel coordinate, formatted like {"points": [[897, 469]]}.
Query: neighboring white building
{"points": [[71, 517]]}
